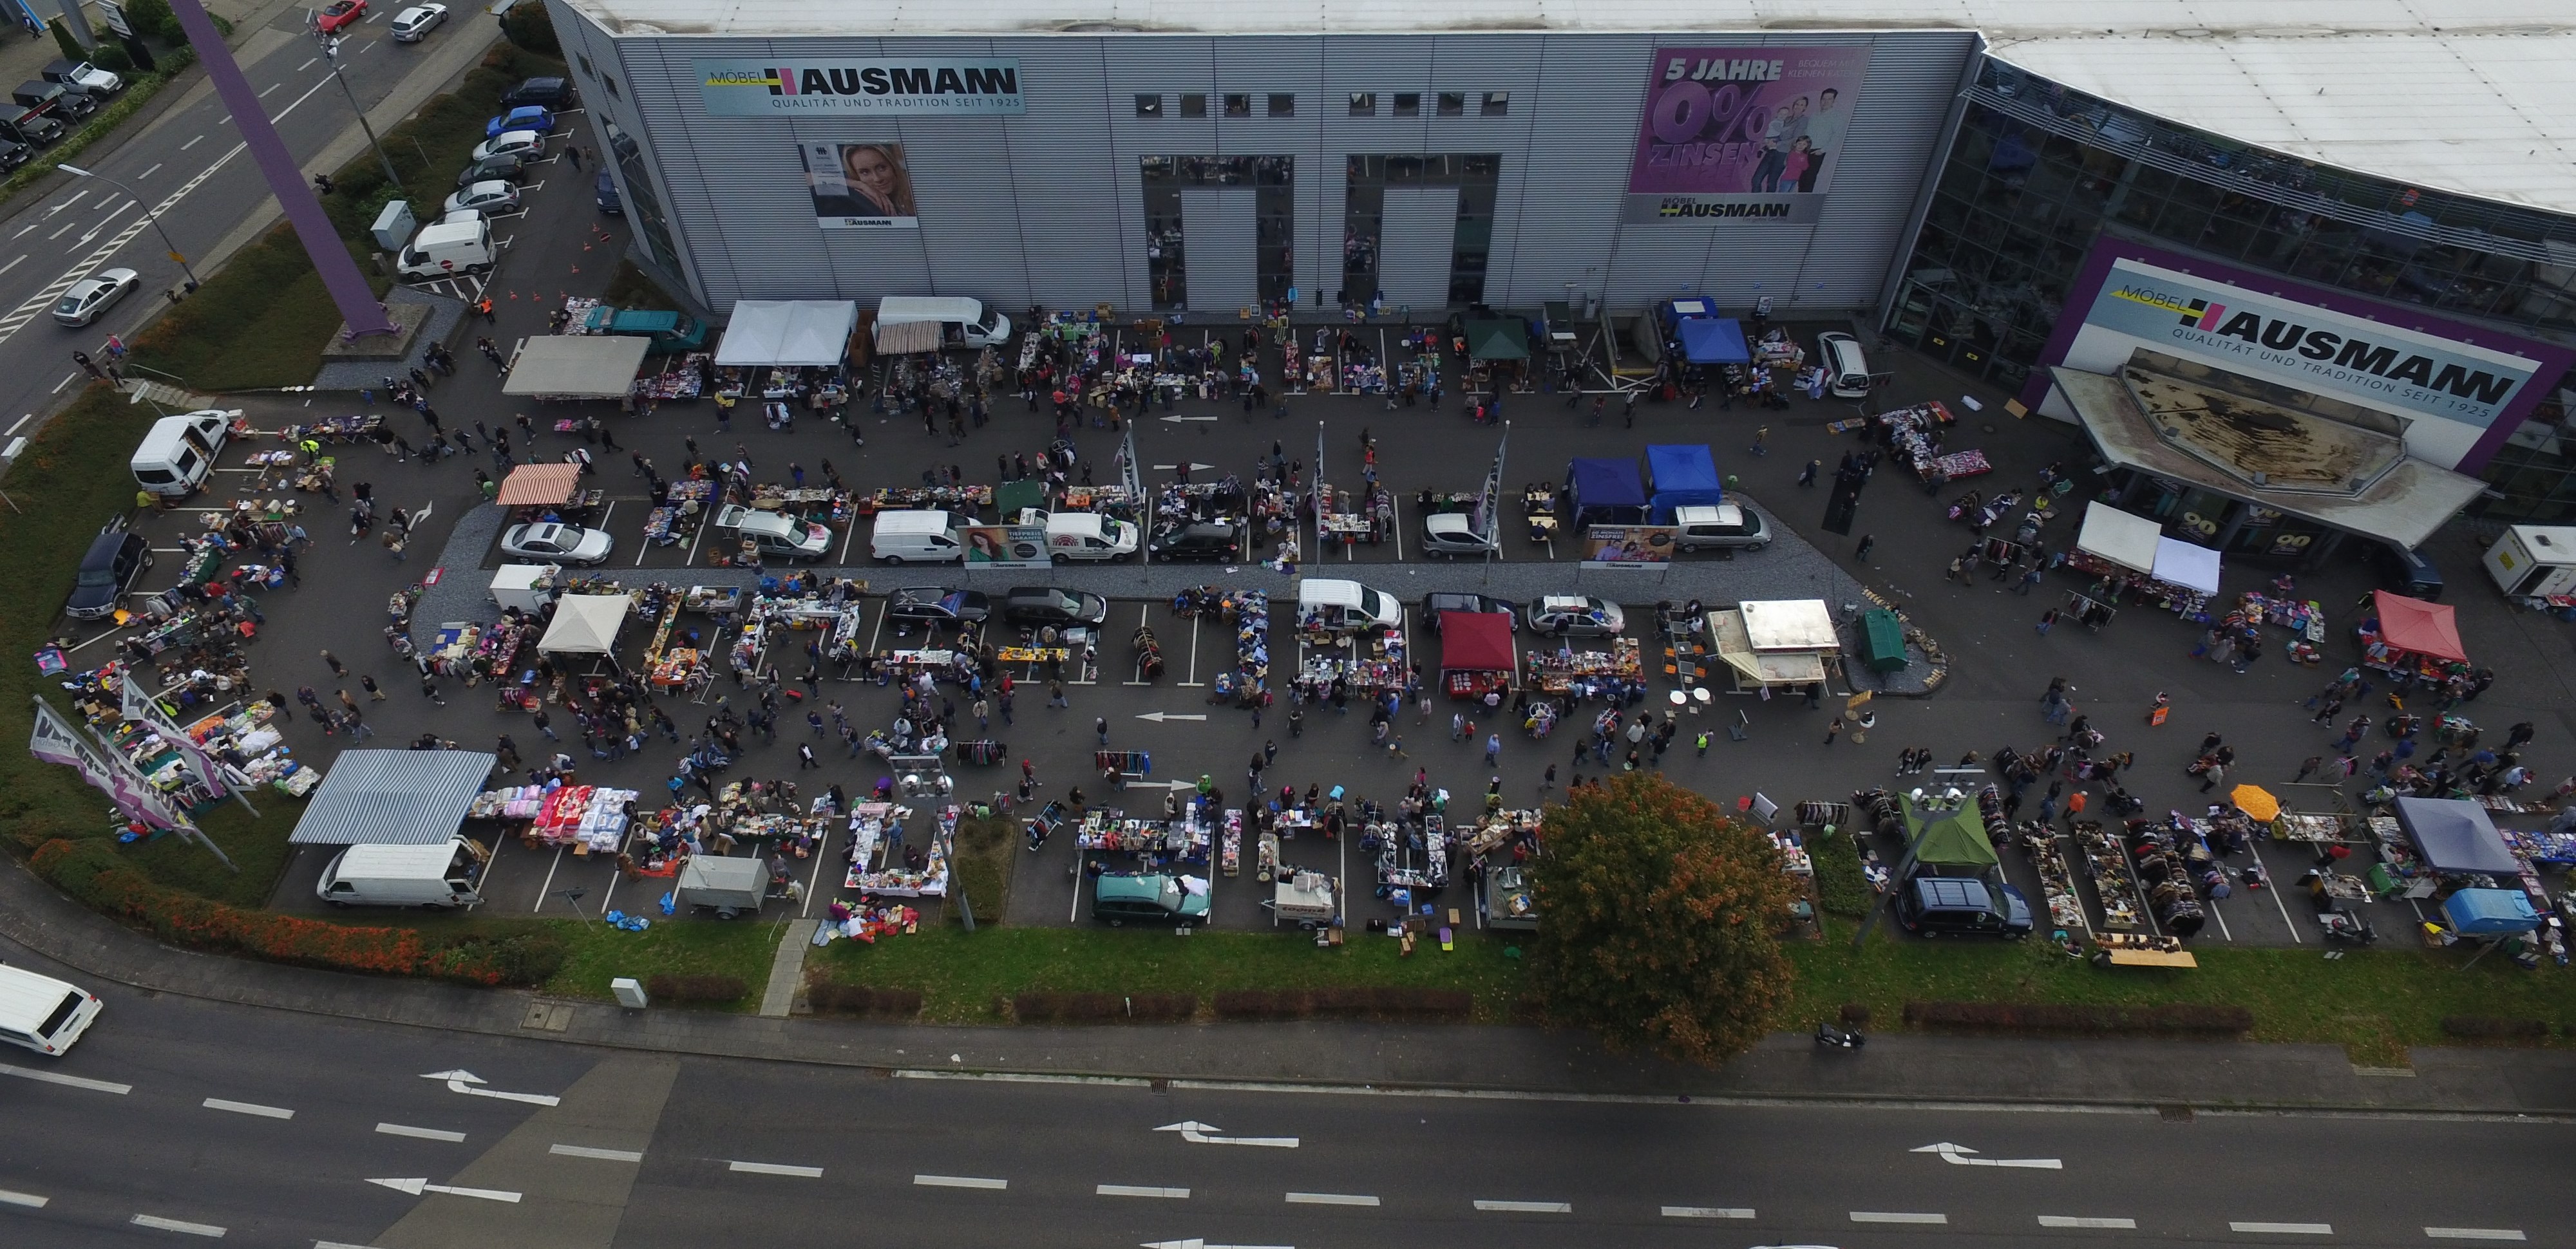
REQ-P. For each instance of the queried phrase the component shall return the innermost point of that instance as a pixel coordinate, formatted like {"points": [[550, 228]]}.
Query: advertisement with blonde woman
{"points": [[859, 185]]}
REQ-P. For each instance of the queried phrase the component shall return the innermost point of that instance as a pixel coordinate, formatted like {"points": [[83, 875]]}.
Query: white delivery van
{"points": [[178, 453], [916, 538], [1846, 370], [1089, 535], [448, 247], [962, 322], [435, 876], [777, 535], [1329, 603], [41, 1013], [2534, 561]]}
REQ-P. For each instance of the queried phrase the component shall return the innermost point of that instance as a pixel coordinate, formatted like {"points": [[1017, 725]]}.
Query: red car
{"points": [[340, 15]]}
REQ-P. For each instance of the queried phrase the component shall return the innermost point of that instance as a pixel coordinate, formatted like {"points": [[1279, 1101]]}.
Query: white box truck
{"points": [[2534, 561], [445, 248], [438, 876]]}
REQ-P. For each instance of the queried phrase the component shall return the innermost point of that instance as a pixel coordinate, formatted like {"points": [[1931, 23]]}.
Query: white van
{"points": [[928, 537], [448, 247], [962, 322], [778, 535], [41, 1013], [1846, 370], [1328, 603], [436, 876], [1090, 535], [178, 453]]}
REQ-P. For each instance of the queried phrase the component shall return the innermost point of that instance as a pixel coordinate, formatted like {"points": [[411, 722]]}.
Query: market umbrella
{"points": [[2256, 801]]}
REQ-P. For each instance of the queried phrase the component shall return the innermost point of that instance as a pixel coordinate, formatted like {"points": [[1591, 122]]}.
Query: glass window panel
{"points": [[1408, 104], [1453, 103], [1364, 104], [1238, 104], [1194, 104], [1149, 106]]}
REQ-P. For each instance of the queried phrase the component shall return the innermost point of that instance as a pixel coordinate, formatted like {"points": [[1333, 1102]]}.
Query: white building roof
{"points": [[2467, 96]]}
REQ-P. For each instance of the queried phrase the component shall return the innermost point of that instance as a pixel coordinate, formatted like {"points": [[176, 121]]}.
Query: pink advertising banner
{"points": [[1751, 126]]}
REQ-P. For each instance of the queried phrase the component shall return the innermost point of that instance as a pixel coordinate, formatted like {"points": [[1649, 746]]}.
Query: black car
{"points": [[603, 191], [116, 557], [493, 169], [1434, 604], [13, 153], [555, 94], [1035, 605], [937, 605], [1206, 539]]}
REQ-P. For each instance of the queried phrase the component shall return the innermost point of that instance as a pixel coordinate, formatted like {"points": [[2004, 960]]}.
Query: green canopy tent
{"points": [[1949, 838], [1497, 340]]}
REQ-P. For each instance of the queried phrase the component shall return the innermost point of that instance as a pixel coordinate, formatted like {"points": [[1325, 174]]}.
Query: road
{"points": [[190, 167], [275, 1127]]}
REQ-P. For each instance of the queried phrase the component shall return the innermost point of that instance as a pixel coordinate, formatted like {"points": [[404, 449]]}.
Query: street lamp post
{"points": [[149, 214], [331, 56]]}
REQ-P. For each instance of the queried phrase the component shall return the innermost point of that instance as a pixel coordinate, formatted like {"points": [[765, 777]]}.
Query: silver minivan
{"points": [[1846, 370]]}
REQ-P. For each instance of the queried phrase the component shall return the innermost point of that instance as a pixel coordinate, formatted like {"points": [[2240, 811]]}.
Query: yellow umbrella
{"points": [[2255, 801]]}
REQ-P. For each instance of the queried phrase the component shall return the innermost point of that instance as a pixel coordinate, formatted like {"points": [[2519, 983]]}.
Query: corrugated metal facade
{"points": [[1416, 245], [1048, 206]]}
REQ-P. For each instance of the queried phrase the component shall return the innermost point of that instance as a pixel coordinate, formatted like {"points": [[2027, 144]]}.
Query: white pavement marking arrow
{"points": [[1159, 716], [1196, 1243], [1957, 1156], [1198, 1133], [1178, 419], [420, 1184], [463, 1081], [1193, 467]]}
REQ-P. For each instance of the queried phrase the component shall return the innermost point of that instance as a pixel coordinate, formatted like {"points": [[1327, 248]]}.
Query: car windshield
{"points": [[1377, 604], [71, 303], [1056, 599]]}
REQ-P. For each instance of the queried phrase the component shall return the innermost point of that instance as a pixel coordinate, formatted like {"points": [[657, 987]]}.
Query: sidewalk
{"points": [[1895, 1067]]}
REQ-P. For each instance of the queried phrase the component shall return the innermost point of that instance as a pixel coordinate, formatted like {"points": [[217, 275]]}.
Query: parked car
{"points": [[1434, 604], [554, 93], [522, 143], [1035, 605], [1577, 615], [94, 295], [340, 15], [1150, 899], [1204, 539], [82, 74], [603, 191], [528, 117], [1722, 525], [2406, 572], [489, 199], [937, 605], [1935, 906], [31, 126], [116, 557], [414, 23], [493, 169], [1452, 534], [64, 102], [554, 543], [13, 153]]}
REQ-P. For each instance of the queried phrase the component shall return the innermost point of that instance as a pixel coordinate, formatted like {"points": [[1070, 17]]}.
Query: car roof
{"points": [[104, 547], [1952, 891], [1565, 602], [1150, 888]]}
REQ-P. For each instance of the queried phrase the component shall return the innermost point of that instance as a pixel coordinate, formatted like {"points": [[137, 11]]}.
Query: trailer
{"points": [[1304, 897], [731, 887]]}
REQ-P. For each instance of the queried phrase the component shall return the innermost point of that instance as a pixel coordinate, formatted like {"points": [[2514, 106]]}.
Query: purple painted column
{"points": [[340, 274]]}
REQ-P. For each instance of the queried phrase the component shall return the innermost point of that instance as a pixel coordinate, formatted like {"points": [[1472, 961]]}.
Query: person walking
{"points": [[2047, 619], [1055, 694], [1493, 748], [1833, 730], [2307, 766], [1860, 554], [368, 684], [1807, 479], [1100, 725], [338, 669]]}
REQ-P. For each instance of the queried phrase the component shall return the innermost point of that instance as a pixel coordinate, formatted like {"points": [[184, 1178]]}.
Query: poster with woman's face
{"points": [[859, 186]]}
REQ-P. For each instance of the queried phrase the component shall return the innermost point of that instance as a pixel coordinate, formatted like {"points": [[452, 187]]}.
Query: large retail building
{"points": [[2302, 267]]}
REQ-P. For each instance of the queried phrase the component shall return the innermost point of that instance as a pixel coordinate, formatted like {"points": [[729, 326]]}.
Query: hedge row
{"points": [[858, 999], [695, 988], [2176, 1019], [1392, 1002], [2491, 1028], [92, 873], [1048, 1007]]}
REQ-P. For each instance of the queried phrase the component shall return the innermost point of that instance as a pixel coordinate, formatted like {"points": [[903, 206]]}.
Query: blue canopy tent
{"points": [[1606, 492], [1714, 340], [1679, 475], [2489, 912], [2455, 837]]}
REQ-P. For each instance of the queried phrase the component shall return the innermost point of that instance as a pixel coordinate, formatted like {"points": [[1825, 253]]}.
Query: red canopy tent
{"points": [[2417, 627], [1475, 651]]}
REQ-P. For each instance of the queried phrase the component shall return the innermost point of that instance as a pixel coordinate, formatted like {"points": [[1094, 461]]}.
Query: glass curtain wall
{"points": [[1476, 176], [1273, 179]]}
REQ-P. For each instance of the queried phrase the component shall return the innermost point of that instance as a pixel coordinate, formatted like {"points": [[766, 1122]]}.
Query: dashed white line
{"points": [[959, 1181], [2066, 1220], [605, 1155], [2474, 1233], [1708, 1212], [1331, 1199], [775, 1168], [157, 1223], [273, 87], [22, 230], [192, 143], [308, 64], [15, 263], [2284, 1229], [147, 173], [77, 1082], [19, 424], [68, 227], [248, 1108], [1139, 1190], [1526, 1207], [29, 1200], [1883, 1216], [67, 380], [424, 1134]]}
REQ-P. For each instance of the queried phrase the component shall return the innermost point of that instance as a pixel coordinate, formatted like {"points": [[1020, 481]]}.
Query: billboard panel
{"points": [[913, 87], [1738, 132], [1629, 544], [859, 186]]}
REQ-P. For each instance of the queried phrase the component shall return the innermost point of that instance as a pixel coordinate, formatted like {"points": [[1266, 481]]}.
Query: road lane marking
{"points": [[1330, 1199], [605, 1155], [1526, 1207], [424, 1134], [248, 1108], [1882, 1216], [77, 1082], [192, 143], [957, 1181], [1708, 1212], [273, 87], [2474, 1233], [67, 378], [157, 1223], [1138, 1190], [147, 173], [2285, 1229], [68, 227], [22, 260], [20, 424], [2065, 1220], [29, 1200], [775, 1168], [308, 64]]}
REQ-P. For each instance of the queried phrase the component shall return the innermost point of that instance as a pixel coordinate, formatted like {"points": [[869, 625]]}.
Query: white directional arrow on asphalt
{"points": [[1196, 1243], [1159, 716], [1198, 1133], [1178, 419], [418, 1185], [1195, 468], [463, 1081], [1957, 1156]]}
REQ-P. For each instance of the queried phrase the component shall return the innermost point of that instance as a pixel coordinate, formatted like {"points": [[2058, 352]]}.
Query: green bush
{"points": [[696, 988], [2173, 1019], [527, 25], [1396, 1002], [152, 19], [71, 48], [112, 58], [858, 999], [1046, 1007], [2491, 1028]]}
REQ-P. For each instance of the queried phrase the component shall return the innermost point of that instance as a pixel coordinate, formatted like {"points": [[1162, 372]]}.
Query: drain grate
{"points": [[2174, 1114]]}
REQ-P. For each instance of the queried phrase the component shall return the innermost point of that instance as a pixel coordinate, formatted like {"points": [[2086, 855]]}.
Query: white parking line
{"points": [[78, 1082], [1136, 1190], [1881, 1216], [67, 228], [29, 1200], [67, 380], [157, 1223], [425, 1134], [2474, 1233], [2064, 1220], [1330, 1199], [604, 1155], [1708, 1212], [248, 1108], [2285, 1229], [776, 1168], [958, 1181], [1526, 1207]]}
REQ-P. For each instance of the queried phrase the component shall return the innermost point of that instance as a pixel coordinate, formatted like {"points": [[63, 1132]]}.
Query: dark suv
{"points": [[936, 605], [556, 94], [1045, 605], [1204, 539], [1939, 906], [116, 557], [55, 98], [32, 127]]}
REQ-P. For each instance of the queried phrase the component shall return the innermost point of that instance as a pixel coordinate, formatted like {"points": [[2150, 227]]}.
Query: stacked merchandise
{"points": [[511, 803], [2108, 863], [591, 816], [1794, 859], [1398, 855], [1498, 829], [896, 879], [2164, 859], [2056, 879], [967, 499], [1585, 674], [1230, 846], [1251, 611]]}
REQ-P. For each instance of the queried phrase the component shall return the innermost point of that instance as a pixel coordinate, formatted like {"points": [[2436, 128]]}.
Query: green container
{"points": [[1882, 641]]}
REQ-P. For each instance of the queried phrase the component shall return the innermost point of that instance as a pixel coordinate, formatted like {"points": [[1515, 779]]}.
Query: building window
{"points": [[1453, 103], [1149, 106], [1194, 104], [1283, 104], [1273, 179], [1364, 104], [1497, 103], [1408, 104], [609, 81], [584, 62], [1477, 177], [1238, 104]]}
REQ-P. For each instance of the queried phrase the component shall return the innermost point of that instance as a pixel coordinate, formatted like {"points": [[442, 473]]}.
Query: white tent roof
{"points": [[1798, 624], [588, 366], [2129, 541], [2181, 563], [789, 332], [585, 624]]}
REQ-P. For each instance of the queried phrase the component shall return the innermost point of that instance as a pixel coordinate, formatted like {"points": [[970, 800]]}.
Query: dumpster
{"points": [[1882, 641], [729, 887]]}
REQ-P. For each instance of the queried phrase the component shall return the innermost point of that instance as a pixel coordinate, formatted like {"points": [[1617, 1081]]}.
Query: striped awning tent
{"points": [[393, 798], [907, 336]]}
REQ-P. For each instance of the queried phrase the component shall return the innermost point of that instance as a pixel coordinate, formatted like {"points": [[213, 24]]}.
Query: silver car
{"points": [[557, 543], [1577, 615], [490, 199], [93, 295], [418, 20]]}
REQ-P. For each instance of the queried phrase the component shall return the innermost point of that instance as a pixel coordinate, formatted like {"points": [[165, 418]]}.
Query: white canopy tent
{"points": [[585, 624], [576, 366], [2129, 541], [788, 333], [2180, 563]]}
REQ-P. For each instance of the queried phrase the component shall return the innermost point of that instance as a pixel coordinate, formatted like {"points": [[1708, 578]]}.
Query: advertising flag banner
{"points": [[140, 707], [1746, 133], [56, 741]]}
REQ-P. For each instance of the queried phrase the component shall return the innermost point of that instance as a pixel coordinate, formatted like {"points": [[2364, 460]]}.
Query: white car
{"points": [[91, 296], [418, 20], [527, 143], [555, 543], [490, 199], [1452, 534], [1577, 615]]}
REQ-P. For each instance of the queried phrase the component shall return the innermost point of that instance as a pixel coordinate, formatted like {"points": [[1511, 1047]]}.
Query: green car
{"points": [[1146, 900]]}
